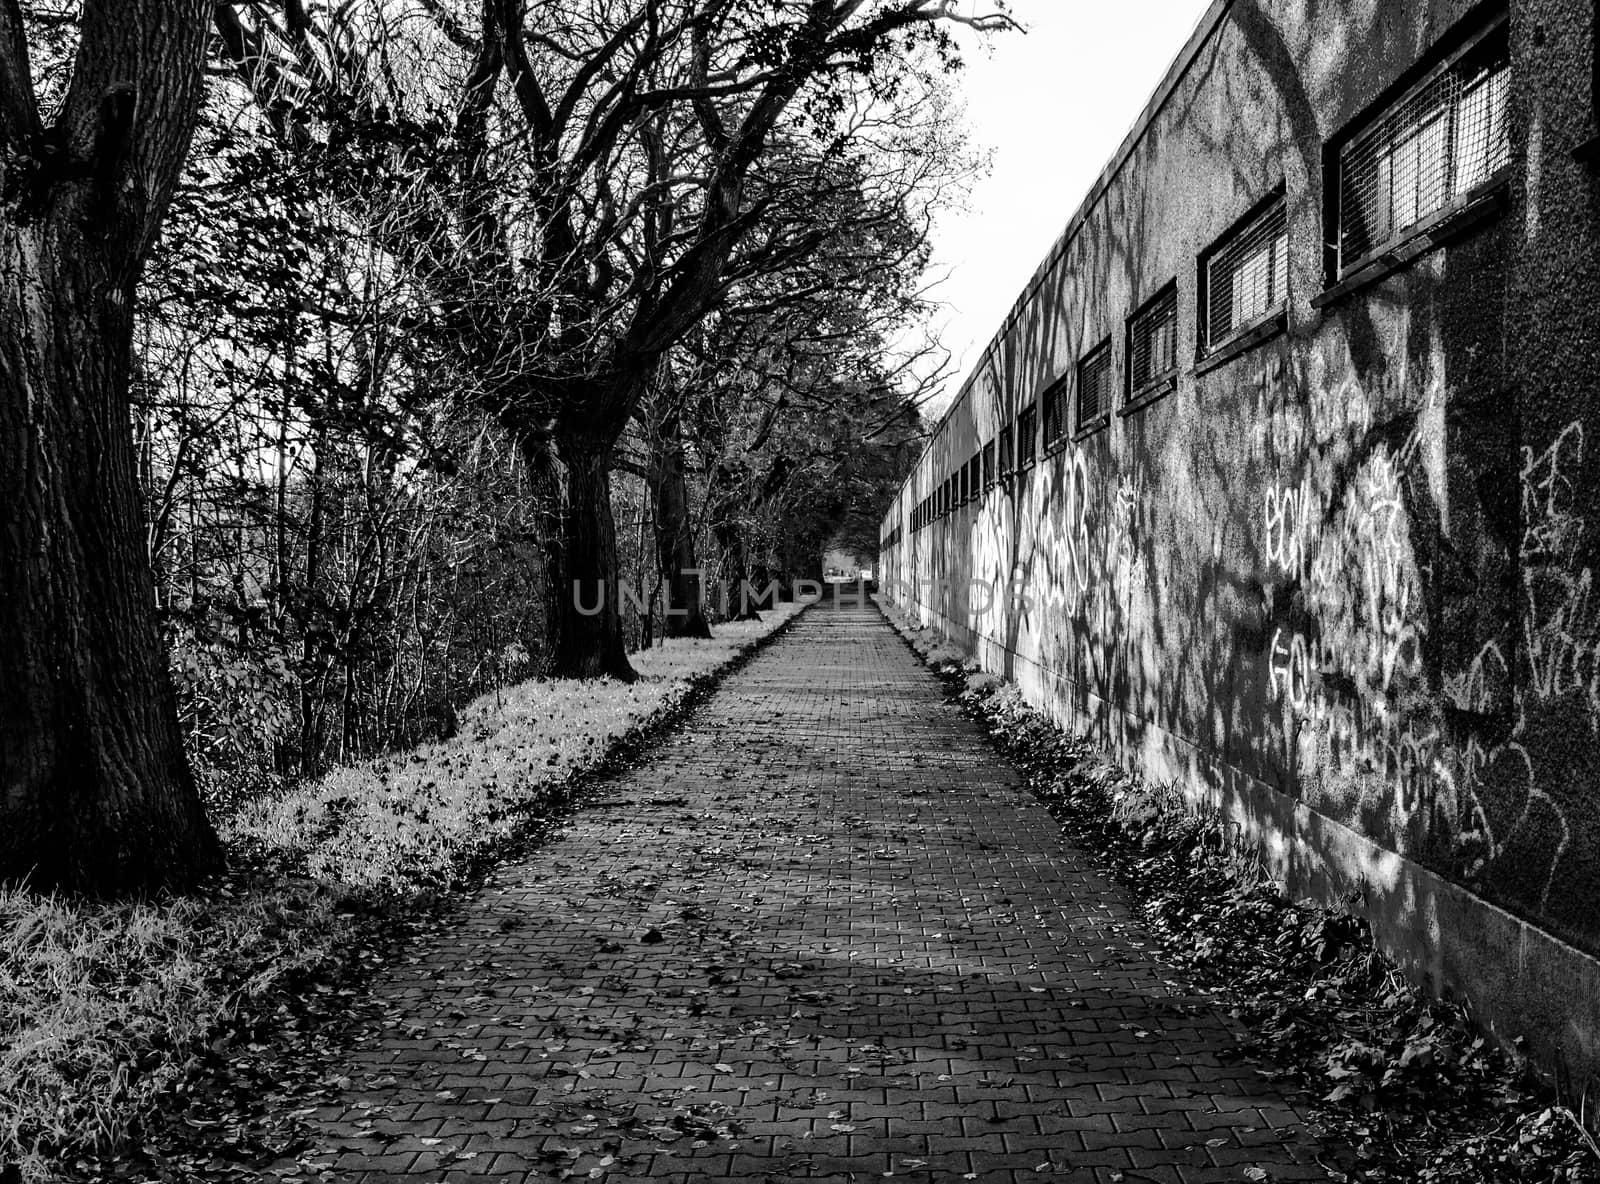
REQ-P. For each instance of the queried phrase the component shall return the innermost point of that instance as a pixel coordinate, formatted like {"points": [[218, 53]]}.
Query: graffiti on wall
{"points": [[1377, 704], [1347, 660], [1507, 786], [1364, 733]]}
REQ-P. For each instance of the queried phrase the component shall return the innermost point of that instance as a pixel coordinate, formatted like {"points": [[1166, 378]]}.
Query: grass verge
{"points": [[141, 1039], [1400, 1087]]}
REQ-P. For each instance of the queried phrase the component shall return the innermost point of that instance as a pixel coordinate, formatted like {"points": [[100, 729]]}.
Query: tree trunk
{"points": [[581, 558], [740, 605], [95, 791], [685, 608]]}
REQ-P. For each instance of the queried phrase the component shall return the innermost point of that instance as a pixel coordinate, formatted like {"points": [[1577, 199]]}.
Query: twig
{"points": [[1582, 1130]]}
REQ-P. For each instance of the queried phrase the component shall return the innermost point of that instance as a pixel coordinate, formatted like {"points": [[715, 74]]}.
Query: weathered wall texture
{"points": [[1342, 582]]}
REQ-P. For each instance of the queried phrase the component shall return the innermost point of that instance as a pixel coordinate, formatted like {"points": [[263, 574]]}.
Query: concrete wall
{"points": [[1337, 580]]}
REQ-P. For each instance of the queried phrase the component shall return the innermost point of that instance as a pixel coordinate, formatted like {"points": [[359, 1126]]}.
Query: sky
{"points": [[1052, 104]]}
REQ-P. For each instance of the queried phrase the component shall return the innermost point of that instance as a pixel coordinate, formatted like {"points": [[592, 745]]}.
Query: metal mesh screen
{"points": [[1094, 385], [988, 464], [1027, 435], [1055, 412], [1439, 142], [1248, 276], [1153, 342]]}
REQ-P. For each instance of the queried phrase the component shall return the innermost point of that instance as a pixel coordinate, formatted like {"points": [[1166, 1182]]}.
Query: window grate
{"points": [[1027, 436], [1055, 412], [1094, 384], [1007, 450], [974, 477], [1439, 142], [1153, 342], [988, 464], [1247, 276]]}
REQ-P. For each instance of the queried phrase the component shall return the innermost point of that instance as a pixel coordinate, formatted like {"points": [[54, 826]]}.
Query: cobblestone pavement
{"points": [[822, 934]]}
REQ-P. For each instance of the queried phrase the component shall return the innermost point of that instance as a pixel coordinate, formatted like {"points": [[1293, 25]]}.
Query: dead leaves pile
{"points": [[1404, 1080]]}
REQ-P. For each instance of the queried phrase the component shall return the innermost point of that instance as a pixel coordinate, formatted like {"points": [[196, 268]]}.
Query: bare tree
{"points": [[604, 115]]}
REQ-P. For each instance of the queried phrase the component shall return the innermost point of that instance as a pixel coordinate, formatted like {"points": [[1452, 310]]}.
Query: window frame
{"points": [[1055, 400], [1007, 466], [1259, 211], [989, 477], [1028, 456], [1158, 383], [1095, 355], [1490, 38]]}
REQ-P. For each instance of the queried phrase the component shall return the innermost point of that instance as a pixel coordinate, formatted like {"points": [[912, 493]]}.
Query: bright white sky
{"points": [[1053, 104]]}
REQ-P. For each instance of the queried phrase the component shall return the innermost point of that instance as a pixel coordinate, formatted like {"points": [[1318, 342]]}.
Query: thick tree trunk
{"points": [[685, 608], [585, 609], [97, 792]]}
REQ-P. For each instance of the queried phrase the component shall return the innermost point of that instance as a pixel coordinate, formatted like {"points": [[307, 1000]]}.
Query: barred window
{"points": [[988, 464], [1007, 450], [1247, 276], [1055, 411], [1435, 145], [1094, 384], [1153, 342], [974, 477], [1027, 436]]}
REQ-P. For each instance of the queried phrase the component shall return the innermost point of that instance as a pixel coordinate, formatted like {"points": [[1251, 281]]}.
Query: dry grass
{"points": [[415, 819], [103, 1006]]}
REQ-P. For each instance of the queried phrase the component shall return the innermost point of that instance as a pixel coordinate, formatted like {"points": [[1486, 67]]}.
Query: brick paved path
{"points": [[821, 935]]}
